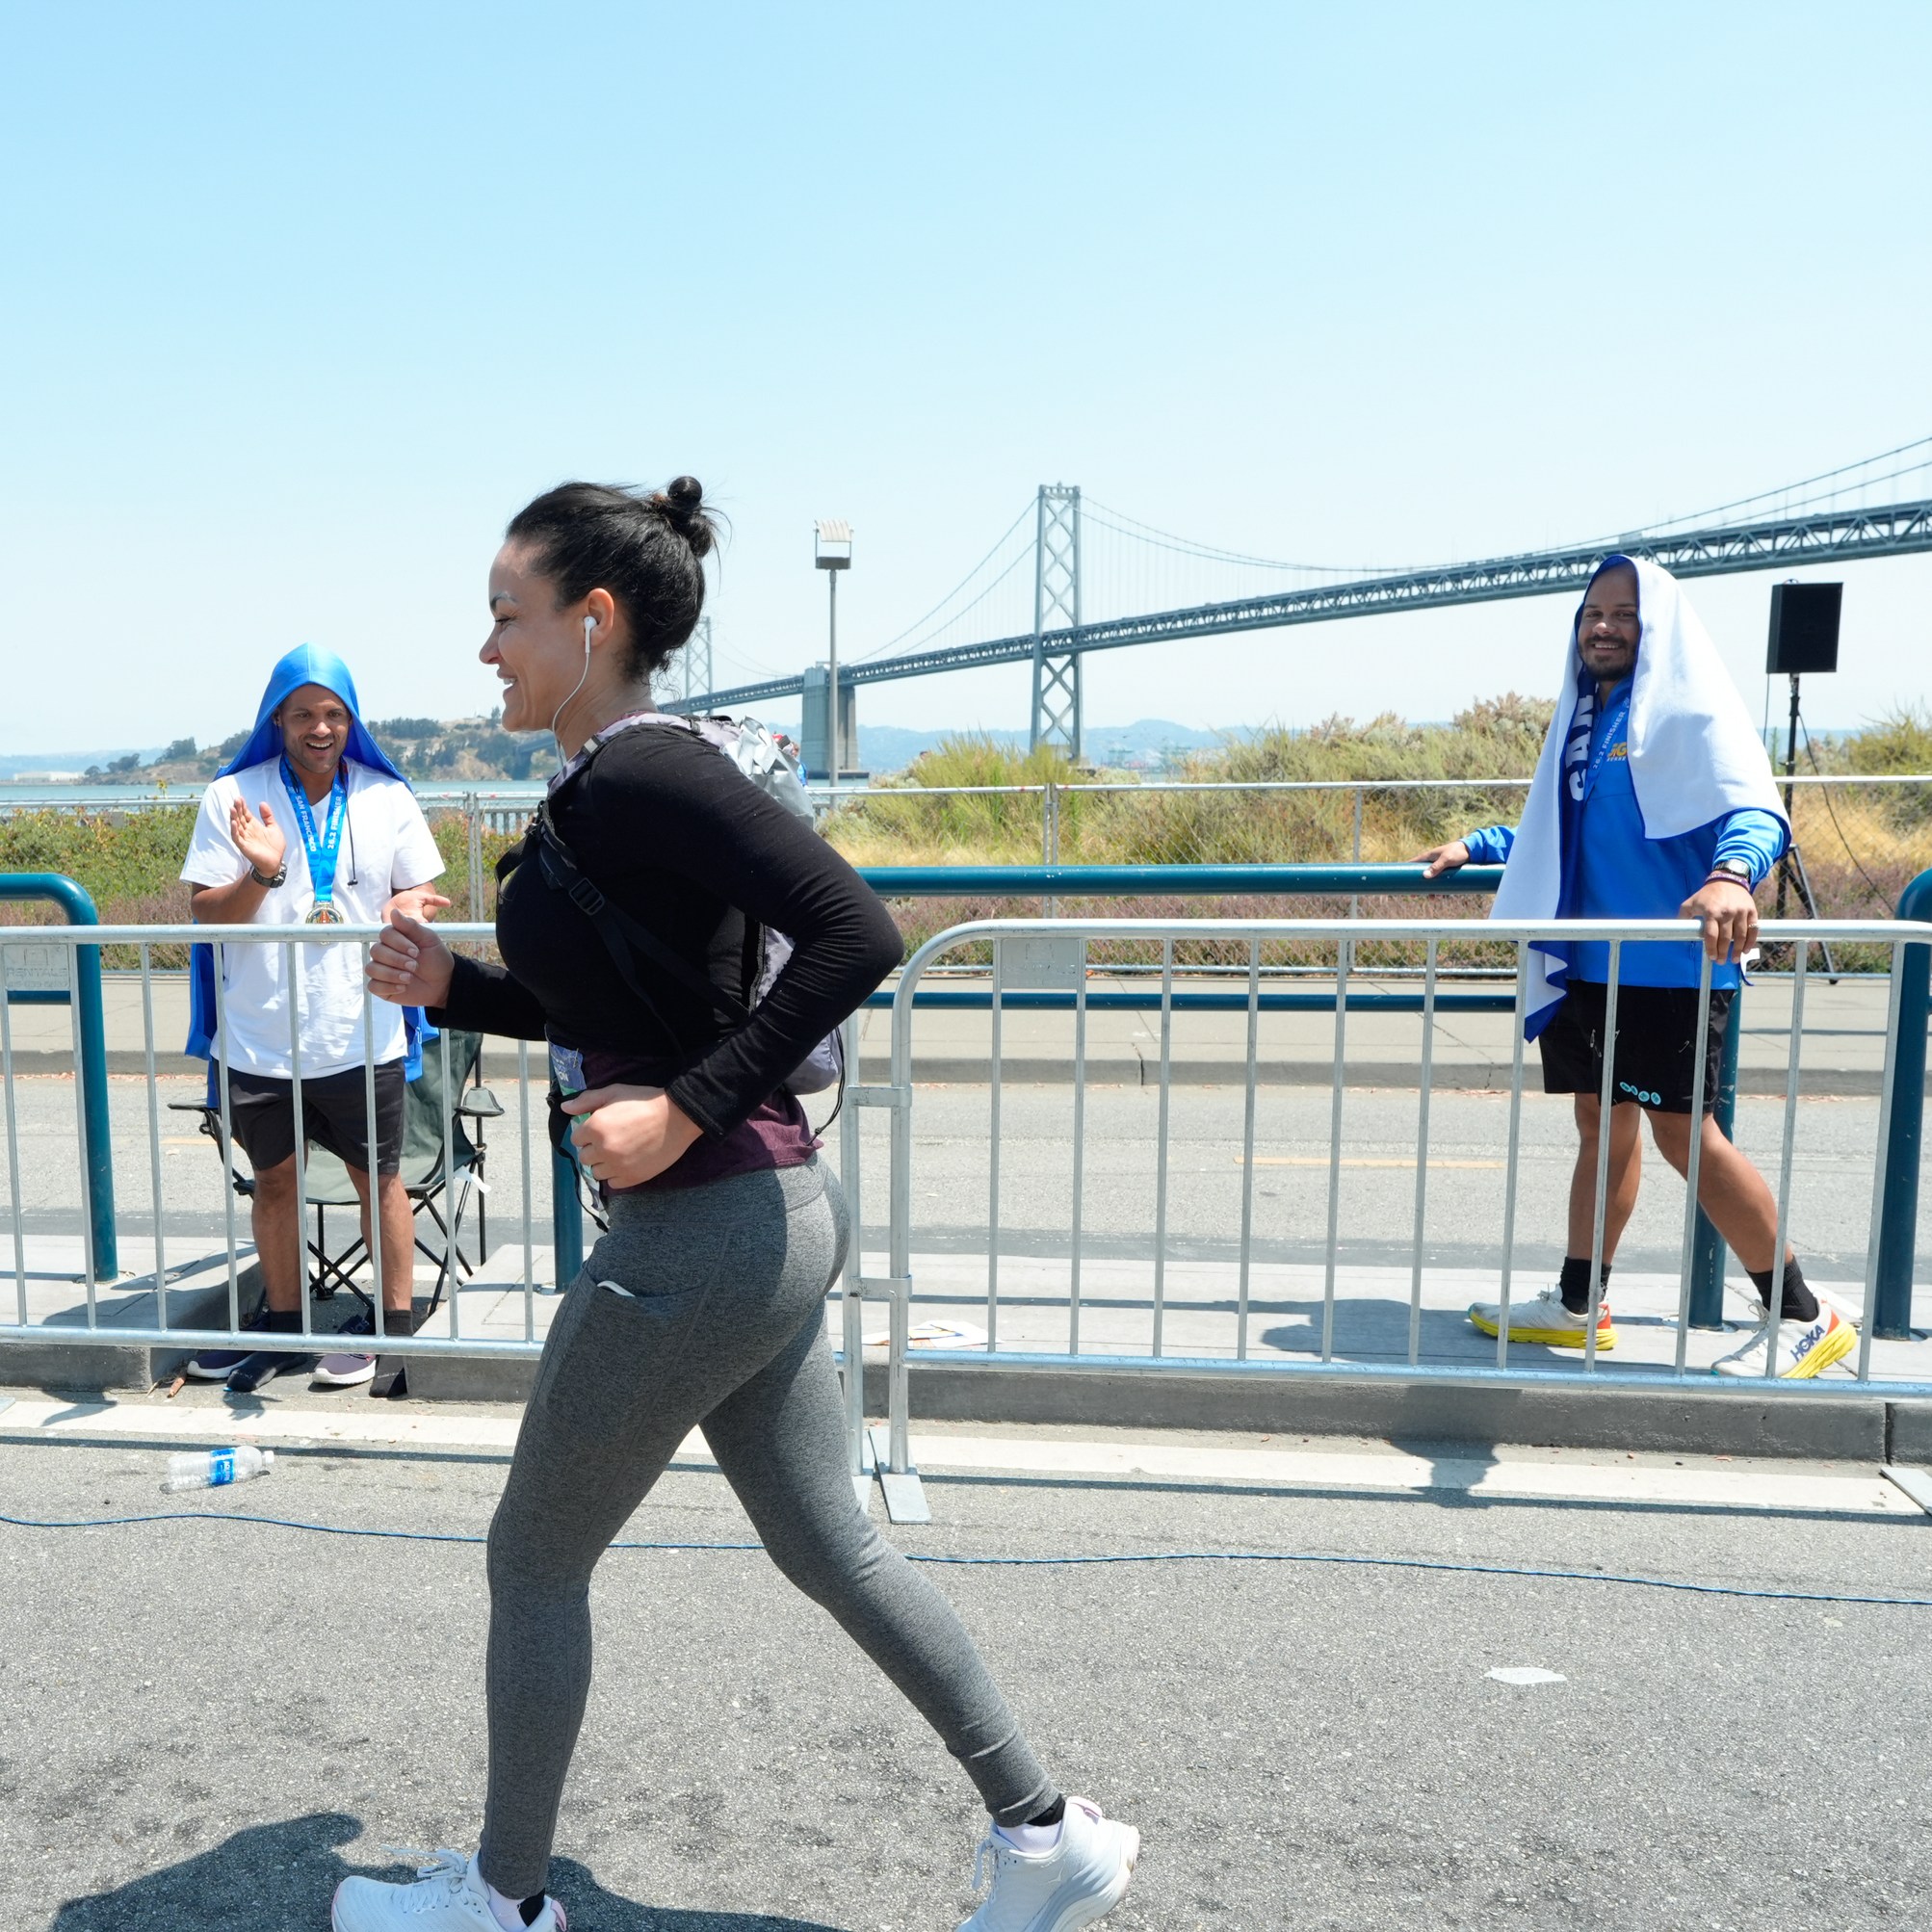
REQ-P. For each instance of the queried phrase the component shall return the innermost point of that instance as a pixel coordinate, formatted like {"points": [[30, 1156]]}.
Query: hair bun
{"points": [[681, 504]]}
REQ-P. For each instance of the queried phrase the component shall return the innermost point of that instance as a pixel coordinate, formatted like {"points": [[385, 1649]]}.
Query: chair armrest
{"points": [[481, 1104]]}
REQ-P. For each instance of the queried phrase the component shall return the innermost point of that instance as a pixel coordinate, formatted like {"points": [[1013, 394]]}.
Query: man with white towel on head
{"points": [[1653, 799]]}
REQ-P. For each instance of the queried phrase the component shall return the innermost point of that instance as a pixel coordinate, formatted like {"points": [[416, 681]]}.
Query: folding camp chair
{"points": [[326, 1184], [428, 1185]]}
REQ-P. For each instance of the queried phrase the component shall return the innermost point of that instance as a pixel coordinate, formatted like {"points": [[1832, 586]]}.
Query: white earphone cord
{"points": [[590, 625]]}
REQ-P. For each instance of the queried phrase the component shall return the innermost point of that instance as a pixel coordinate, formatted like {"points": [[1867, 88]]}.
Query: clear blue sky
{"points": [[300, 302]]}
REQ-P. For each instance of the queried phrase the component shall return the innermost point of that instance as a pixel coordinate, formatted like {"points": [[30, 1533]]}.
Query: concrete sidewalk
{"points": [[1843, 1048], [956, 1378]]}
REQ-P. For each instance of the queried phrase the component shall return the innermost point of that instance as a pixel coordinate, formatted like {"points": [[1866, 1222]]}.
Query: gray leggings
{"points": [[724, 1327]]}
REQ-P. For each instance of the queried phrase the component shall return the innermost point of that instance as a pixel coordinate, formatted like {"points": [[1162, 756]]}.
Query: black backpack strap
{"points": [[623, 937]]}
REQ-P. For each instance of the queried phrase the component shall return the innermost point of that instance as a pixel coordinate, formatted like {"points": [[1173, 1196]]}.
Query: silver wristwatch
{"points": [[281, 878], [1735, 870]]}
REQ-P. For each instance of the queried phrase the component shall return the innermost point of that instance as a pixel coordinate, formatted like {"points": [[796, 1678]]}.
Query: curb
{"points": [[1811, 1427]]}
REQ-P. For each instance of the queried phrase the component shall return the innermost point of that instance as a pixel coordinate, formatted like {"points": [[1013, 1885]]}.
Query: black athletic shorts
{"points": [[1657, 1045], [334, 1114]]}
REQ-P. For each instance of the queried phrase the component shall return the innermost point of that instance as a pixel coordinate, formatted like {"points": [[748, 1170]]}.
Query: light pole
{"points": [[832, 551]]}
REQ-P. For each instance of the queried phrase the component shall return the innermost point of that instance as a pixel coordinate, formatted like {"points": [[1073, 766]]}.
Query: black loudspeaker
{"points": [[1804, 629]]}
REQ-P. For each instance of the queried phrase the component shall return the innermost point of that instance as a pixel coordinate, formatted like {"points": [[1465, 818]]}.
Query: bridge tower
{"points": [[694, 664], [1056, 719]]}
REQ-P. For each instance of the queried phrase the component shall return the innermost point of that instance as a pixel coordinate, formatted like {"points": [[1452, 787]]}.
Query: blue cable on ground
{"points": [[1530, 1572]]}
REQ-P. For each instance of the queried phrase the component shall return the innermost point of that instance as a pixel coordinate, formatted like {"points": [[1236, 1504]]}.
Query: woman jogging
{"points": [[703, 1303]]}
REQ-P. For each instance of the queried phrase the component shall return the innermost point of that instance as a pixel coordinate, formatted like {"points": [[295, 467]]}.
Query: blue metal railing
{"points": [[97, 1150], [1168, 881], [1905, 1146]]}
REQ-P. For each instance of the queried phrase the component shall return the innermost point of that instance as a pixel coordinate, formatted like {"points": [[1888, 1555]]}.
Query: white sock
{"points": [[1030, 1839], [506, 1912]]}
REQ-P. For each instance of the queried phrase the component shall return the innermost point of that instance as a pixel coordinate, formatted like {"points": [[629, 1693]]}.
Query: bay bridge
{"points": [[1828, 518]]}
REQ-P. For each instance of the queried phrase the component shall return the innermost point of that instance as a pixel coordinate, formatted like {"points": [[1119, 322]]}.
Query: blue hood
{"points": [[307, 664]]}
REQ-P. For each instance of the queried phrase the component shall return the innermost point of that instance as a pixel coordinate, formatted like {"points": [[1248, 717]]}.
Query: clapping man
{"points": [[308, 824]]}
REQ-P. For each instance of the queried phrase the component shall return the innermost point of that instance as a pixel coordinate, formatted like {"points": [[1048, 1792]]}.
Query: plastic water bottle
{"points": [[211, 1469]]}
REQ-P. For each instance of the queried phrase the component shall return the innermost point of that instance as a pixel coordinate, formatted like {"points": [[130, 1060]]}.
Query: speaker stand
{"points": [[1792, 864]]}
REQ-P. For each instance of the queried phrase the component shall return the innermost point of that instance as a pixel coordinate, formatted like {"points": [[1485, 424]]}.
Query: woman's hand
{"points": [[1440, 859], [259, 841], [410, 965], [626, 1136]]}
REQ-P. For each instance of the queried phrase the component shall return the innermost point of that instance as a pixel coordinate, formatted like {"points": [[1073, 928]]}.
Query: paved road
{"points": [[207, 1724]]}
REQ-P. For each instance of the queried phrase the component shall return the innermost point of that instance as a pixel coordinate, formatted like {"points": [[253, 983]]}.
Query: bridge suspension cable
{"points": [[1810, 524]]}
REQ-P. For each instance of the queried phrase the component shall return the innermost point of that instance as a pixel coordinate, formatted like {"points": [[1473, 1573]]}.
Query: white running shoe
{"points": [[449, 1896], [1083, 1878], [1803, 1347], [1544, 1319]]}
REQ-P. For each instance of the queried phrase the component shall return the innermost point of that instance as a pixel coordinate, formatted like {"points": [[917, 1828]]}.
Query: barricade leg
{"points": [[1898, 1212], [1707, 1262], [566, 1219]]}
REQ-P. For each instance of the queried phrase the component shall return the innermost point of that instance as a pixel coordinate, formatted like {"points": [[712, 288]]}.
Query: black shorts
{"points": [[1657, 1045], [334, 1114]]}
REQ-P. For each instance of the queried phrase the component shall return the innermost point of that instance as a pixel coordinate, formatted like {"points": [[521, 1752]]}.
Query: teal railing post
{"points": [[73, 899], [1905, 1148], [567, 1219], [1707, 1254]]}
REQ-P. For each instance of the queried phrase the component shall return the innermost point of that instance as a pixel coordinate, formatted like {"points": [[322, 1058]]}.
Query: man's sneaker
{"points": [[251, 1371], [449, 1896], [1803, 1347], [1082, 1878], [1544, 1319], [212, 1365], [343, 1368]]}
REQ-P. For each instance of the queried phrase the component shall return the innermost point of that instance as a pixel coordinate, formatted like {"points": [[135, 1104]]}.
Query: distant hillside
{"points": [[1149, 744], [437, 751], [479, 751]]}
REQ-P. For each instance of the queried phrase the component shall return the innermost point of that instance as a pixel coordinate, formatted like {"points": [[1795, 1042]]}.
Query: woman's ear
{"points": [[601, 608]]}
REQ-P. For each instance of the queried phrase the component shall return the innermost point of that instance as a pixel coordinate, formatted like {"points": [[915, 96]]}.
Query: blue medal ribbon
{"points": [[321, 848]]}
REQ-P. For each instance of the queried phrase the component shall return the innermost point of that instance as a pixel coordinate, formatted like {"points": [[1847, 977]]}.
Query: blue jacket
{"points": [[1620, 874]]}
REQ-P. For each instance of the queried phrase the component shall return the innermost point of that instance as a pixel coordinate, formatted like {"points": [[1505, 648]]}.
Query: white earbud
{"points": [[590, 625]]}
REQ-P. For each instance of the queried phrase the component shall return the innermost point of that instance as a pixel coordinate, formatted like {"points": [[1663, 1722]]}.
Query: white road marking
{"points": [[1916, 1483]]}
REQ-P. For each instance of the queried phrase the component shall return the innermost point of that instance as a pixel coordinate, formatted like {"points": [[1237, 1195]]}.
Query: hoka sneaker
{"points": [[1544, 1319], [1080, 1879], [1803, 1347], [449, 1896], [344, 1369]]}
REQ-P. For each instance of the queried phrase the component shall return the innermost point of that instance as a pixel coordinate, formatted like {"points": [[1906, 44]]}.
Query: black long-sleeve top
{"points": [[673, 832]]}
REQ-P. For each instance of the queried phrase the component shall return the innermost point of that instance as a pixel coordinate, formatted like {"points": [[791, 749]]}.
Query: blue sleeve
{"points": [[1491, 846], [1757, 837]]}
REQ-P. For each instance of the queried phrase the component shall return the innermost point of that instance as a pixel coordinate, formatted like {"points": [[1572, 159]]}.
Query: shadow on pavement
{"points": [[266, 1876], [281, 1877], [589, 1908]]}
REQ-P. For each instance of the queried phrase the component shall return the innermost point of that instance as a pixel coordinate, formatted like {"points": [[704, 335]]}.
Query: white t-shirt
{"points": [[385, 846]]}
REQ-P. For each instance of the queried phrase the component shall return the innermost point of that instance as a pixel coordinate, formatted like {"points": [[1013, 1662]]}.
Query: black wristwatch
{"points": [[1736, 870], [281, 878]]}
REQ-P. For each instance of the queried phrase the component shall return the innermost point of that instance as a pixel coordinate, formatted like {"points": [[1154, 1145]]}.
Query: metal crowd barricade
{"points": [[294, 942], [1901, 938], [74, 983]]}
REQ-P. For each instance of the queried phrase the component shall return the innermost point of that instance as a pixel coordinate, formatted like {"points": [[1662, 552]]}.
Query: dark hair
{"points": [[646, 549]]}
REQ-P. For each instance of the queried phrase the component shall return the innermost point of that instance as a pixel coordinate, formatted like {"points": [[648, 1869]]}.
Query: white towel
{"points": [[1694, 756]]}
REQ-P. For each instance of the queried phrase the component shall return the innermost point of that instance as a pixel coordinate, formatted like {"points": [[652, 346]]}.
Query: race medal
{"points": [[320, 846]]}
